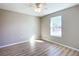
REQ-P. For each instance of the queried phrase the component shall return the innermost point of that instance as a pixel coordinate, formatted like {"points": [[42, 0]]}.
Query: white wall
{"points": [[16, 27], [70, 27]]}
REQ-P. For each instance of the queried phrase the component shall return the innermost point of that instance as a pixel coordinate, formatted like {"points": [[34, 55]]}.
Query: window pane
{"points": [[56, 26]]}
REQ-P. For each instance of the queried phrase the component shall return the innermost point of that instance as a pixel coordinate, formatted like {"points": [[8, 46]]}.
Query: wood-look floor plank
{"points": [[38, 49], [59, 52], [50, 51], [57, 49], [76, 53], [71, 52]]}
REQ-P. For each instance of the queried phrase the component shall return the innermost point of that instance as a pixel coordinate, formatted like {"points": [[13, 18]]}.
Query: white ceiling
{"points": [[27, 9]]}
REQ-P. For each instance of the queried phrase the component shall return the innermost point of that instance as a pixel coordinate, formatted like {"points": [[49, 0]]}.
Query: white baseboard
{"points": [[62, 45], [12, 44]]}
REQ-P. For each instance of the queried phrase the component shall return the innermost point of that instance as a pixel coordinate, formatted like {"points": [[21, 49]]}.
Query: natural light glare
{"points": [[32, 41]]}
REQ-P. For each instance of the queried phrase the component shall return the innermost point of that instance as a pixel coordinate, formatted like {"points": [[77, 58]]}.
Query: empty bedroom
{"points": [[39, 29]]}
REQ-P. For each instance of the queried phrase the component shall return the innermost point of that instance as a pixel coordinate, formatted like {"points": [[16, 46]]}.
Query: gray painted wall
{"points": [[16, 27], [70, 27]]}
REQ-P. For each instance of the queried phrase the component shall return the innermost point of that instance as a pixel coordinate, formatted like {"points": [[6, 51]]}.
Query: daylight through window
{"points": [[56, 26]]}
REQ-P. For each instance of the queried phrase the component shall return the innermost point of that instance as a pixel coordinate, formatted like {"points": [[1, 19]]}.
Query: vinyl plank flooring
{"points": [[37, 48]]}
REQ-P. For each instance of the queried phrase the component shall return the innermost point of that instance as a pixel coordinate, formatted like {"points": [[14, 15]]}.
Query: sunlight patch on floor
{"points": [[39, 41]]}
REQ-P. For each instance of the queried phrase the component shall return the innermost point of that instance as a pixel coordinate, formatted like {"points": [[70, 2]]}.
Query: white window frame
{"points": [[51, 27]]}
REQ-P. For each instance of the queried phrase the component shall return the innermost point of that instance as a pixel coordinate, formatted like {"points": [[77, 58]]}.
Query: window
{"points": [[56, 26]]}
